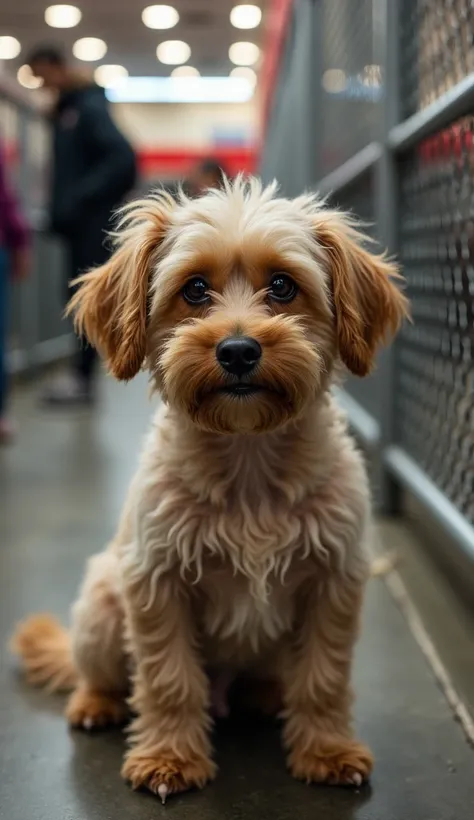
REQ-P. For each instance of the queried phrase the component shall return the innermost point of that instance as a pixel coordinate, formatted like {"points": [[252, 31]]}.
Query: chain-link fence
{"points": [[350, 88], [393, 141]]}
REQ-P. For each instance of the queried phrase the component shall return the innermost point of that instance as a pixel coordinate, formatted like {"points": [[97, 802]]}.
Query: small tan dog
{"points": [[241, 548]]}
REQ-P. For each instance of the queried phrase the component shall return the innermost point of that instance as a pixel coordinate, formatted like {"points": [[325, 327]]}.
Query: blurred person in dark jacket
{"points": [[15, 261], [94, 169], [207, 174]]}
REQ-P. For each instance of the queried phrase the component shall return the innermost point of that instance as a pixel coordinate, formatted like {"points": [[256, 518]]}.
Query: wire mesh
{"points": [[435, 373], [436, 49], [351, 81]]}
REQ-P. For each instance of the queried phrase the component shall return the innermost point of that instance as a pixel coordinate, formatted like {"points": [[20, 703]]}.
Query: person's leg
{"points": [[70, 386], [89, 251], [85, 362], [78, 385]]}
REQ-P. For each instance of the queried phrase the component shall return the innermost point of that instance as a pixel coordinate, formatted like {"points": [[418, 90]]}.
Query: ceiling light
{"points": [[244, 53], [109, 76], [245, 72], [246, 16], [27, 79], [160, 16], [62, 16], [89, 49], [185, 71], [173, 52], [9, 48], [182, 90]]}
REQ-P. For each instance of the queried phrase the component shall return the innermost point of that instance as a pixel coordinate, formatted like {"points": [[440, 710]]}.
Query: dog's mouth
{"points": [[241, 389]]}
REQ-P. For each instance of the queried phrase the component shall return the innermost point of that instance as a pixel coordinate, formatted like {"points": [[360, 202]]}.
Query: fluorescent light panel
{"points": [[108, 76], [182, 90], [90, 49], [173, 52], [245, 71], [244, 53], [160, 17], [185, 71], [62, 16], [10, 47], [246, 16]]}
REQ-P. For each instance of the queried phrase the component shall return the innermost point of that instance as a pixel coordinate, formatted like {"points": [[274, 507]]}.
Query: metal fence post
{"points": [[386, 208]]}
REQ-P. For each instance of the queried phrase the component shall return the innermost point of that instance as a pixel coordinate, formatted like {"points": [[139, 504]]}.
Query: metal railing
{"points": [[411, 173], [37, 333]]}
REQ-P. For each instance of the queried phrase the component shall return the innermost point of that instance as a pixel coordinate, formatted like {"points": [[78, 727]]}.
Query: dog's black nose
{"points": [[238, 354]]}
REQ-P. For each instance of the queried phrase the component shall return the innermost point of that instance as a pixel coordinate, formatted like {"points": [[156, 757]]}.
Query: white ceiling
{"points": [[204, 24]]}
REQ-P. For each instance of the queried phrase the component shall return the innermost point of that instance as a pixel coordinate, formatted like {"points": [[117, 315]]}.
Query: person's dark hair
{"points": [[46, 54], [211, 166]]}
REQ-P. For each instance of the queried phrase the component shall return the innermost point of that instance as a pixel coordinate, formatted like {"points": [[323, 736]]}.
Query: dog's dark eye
{"points": [[282, 288], [196, 291]]}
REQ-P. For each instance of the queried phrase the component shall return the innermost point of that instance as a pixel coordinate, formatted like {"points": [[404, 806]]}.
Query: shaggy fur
{"points": [[241, 549]]}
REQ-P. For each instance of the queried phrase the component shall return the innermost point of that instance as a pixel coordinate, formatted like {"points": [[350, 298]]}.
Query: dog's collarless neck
{"points": [[282, 464]]}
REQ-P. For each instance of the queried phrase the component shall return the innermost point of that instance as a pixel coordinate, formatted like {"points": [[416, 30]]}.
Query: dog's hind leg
{"points": [[98, 648]]}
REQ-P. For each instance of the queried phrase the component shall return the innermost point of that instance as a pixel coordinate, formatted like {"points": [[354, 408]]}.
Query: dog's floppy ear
{"points": [[110, 305], [367, 303]]}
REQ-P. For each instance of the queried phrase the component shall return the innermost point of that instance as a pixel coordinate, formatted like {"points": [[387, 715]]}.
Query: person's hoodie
{"points": [[94, 166]]}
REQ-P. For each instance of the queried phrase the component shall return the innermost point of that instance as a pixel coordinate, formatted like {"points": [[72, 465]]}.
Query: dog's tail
{"points": [[44, 647]]}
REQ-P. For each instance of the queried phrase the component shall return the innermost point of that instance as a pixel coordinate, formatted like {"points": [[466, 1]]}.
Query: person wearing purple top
{"points": [[14, 260]]}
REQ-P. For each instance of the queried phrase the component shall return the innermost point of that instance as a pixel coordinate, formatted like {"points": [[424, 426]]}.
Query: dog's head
{"points": [[240, 302]]}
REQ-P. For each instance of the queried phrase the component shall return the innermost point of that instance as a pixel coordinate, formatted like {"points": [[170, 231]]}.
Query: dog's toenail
{"points": [[357, 779], [88, 723], [163, 792]]}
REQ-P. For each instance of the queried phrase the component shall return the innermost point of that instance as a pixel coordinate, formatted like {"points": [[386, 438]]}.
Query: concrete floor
{"points": [[61, 488]]}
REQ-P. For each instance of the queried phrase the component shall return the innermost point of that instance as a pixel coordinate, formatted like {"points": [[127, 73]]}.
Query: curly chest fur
{"points": [[248, 528], [240, 616], [244, 569]]}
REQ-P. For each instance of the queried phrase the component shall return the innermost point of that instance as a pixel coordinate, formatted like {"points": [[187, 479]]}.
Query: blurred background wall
{"points": [[170, 138]]}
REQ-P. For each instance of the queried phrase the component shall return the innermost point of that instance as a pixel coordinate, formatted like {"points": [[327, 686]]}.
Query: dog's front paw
{"points": [[343, 763], [91, 710], [165, 774]]}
